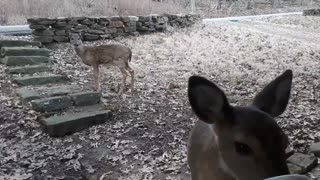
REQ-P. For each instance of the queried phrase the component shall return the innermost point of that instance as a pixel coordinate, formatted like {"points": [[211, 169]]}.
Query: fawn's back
{"points": [[233, 142], [106, 54]]}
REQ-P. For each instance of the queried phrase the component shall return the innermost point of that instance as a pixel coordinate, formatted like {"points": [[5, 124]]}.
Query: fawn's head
{"points": [[249, 141], [75, 40]]}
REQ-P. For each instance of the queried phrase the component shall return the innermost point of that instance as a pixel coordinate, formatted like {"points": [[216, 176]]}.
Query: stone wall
{"points": [[48, 30], [311, 12]]}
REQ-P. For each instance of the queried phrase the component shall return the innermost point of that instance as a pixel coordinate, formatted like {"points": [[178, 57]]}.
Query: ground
{"points": [[148, 134]]}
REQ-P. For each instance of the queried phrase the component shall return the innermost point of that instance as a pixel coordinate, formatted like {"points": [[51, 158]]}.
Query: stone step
{"points": [[29, 69], [74, 121], [18, 43], [24, 60], [36, 92], [57, 103], [24, 51], [302, 163], [40, 80]]}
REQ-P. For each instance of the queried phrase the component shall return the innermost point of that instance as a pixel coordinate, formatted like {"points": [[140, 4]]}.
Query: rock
{"points": [[125, 19], [24, 51], [98, 27], [290, 177], [111, 30], [87, 22], [24, 60], [39, 27], [116, 24], [29, 69], [306, 162], [18, 43], [131, 24], [133, 18], [61, 38], [57, 126], [27, 95], [106, 36], [316, 172], [80, 27], [315, 149], [43, 39], [60, 24], [91, 37], [46, 32], [120, 30], [311, 12], [86, 98], [46, 22], [135, 33], [130, 29], [294, 169], [51, 103], [115, 18], [58, 90], [60, 33], [289, 151], [67, 27], [40, 80], [94, 31], [105, 23]]}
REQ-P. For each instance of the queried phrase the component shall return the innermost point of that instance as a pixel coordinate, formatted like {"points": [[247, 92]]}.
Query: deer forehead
{"points": [[252, 127]]}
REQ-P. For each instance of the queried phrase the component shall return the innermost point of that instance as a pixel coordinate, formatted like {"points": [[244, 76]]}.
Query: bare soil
{"points": [[148, 134]]}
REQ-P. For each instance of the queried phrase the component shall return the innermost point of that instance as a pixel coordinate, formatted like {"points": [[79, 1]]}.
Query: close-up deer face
{"points": [[243, 142]]}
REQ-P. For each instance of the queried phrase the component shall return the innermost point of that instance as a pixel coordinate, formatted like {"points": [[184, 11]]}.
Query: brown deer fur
{"points": [[108, 55]]}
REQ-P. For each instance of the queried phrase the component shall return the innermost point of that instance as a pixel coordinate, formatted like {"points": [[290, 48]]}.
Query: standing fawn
{"points": [[238, 143], [108, 55]]}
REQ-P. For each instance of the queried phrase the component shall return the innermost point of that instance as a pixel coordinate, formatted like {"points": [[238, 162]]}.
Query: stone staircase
{"points": [[65, 108]]}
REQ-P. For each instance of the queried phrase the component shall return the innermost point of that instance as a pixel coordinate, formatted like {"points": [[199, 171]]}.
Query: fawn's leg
{"points": [[131, 71], [124, 78], [96, 74]]}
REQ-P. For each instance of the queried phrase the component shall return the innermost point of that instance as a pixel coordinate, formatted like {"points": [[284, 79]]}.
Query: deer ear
{"points": [[274, 98], [207, 101]]}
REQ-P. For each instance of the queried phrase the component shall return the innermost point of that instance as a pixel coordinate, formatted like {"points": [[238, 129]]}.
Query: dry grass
{"points": [[16, 11]]}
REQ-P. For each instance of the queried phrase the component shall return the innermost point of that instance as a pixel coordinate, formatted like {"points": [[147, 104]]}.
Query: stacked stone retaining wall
{"points": [[311, 12], [48, 30]]}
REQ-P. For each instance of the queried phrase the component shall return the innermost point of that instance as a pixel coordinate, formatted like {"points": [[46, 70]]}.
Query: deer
{"points": [[107, 55], [238, 142]]}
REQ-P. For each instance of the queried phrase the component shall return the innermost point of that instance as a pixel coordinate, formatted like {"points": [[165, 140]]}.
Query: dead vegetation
{"points": [[148, 134], [17, 11]]}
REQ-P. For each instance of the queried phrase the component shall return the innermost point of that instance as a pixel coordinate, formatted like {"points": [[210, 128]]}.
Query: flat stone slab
{"points": [[315, 149], [311, 12], [27, 95], [86, 98], [51, 104], [24, 60], [68, 123], [58, 90], [290, 177], [289, 151], [29, 69], [24, 51], [306, 162], [18, 43], [294, 169], [40, 80]]}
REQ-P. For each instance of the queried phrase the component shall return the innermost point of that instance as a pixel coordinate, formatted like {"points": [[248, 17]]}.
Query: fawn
{"points": [[112, 54], [238, 142]]}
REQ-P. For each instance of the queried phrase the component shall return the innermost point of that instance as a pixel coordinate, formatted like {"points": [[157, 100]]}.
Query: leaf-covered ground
{"points": [[148, 134]]}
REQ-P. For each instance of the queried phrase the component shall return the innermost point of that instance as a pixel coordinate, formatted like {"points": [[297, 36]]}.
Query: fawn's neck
{"points": [[79, 50]]}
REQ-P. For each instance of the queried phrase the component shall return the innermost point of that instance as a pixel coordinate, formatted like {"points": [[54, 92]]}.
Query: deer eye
{"points": [[243, 149]]}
